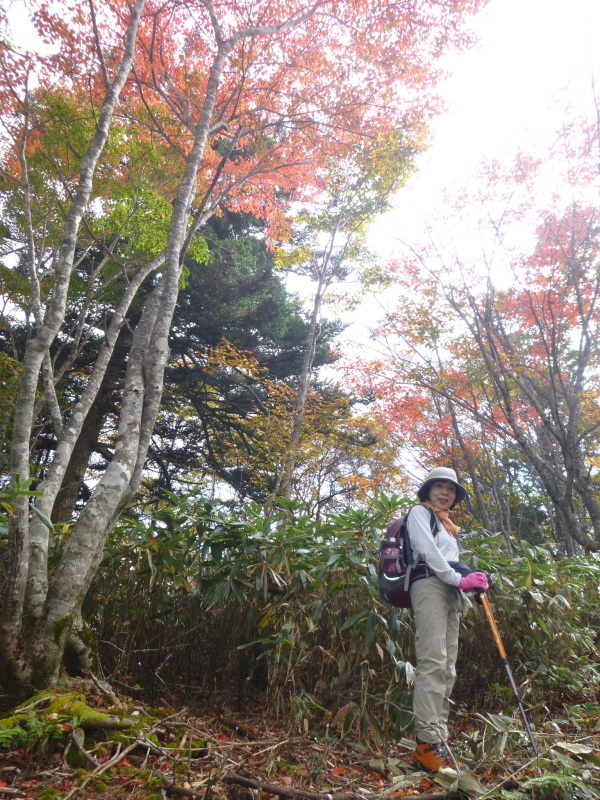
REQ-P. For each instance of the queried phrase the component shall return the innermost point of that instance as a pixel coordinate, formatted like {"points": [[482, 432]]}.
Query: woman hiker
{"points": [[437, 606]]}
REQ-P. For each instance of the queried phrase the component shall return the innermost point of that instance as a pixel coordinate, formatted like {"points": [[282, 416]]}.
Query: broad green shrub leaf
{"points": [[459, 781], [581, 750], [44, 518]]}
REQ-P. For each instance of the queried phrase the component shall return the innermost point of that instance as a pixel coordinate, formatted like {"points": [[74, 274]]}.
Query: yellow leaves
{"points": [[227, 355], [10, 371], [353, 453], [342, 713], [291, 257]]}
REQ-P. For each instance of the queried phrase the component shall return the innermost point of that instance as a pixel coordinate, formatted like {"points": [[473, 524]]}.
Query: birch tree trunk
{"points": [[26, 586], [325, 272], [354, 199], [169, 85], [31, 653], [559, 480]]}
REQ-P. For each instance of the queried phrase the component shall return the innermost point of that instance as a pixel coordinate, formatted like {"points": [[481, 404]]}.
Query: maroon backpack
{"points": [[396, 570]]}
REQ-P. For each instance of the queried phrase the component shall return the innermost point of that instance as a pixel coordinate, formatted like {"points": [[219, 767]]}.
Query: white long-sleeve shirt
{"points": [[435, 549]]}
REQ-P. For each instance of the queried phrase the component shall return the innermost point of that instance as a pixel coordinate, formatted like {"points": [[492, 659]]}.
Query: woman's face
{"points": [[442, 494]]}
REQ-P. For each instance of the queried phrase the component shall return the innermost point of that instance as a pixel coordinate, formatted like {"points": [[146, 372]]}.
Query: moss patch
{"points": [[75, 759], [50, 794], [55, 707], [60, 626]]}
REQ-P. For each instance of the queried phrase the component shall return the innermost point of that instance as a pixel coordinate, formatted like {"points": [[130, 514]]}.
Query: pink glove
{"points": [[474, 581]]}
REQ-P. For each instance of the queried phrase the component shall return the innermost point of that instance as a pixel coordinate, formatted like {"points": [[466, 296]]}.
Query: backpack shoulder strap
{"points": [[433, 520], [398, 529], [406, 546]]}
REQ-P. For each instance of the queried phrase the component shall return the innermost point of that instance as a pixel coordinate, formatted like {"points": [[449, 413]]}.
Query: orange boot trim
{"points": [[431, 757]]}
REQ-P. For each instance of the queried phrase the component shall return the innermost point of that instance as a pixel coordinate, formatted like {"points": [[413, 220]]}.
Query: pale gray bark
{"points": [[559, 422], [37, 582], [554, 449], [56, 605], [347, 213], [285, 474], [37, 351], [324, 275]]}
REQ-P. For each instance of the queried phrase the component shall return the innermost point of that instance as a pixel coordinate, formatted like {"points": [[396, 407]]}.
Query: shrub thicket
{"points": [[225, 606]]}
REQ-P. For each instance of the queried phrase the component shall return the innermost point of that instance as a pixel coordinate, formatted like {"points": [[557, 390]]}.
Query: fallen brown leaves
{"points": [[212, 757], [220, 757]]}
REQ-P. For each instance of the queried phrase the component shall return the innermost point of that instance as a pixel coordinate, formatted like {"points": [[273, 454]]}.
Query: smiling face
{"points": [[442, 494]]}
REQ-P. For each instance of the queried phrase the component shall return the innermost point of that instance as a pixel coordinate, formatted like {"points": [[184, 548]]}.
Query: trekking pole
{"points": [[483, 601]]}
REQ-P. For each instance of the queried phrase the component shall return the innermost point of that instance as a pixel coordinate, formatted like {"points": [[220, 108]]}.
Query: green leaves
{"points": [[557, 785], [465, 782], [43, 517], [290, 597], [8, 496], [582, 751]]}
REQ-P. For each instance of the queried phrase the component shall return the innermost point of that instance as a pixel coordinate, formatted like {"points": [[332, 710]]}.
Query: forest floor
{"points": [[61, 754]]}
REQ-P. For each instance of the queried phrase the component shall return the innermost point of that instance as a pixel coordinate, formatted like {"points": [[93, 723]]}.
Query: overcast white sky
{"points": [[506, 93], [501, 96]]}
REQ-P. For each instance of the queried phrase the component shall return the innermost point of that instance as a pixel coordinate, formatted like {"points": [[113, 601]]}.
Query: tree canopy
{"points": [[187, 497], [125, 131], [495, 368]]}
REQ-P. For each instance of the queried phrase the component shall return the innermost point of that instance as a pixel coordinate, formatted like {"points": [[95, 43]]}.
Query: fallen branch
{"points": [[179, 791], [41, 701], [508, 778], [104, 687], [290, 791], [241, 730], [119, 756], [99, 770], [8, 790], [78, 738]]}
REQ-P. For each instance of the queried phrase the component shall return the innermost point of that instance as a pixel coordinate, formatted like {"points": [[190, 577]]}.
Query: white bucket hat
{"points": [[442, 474]]}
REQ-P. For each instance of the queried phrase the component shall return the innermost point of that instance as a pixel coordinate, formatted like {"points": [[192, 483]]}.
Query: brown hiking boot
{"points": [[431, 757]]}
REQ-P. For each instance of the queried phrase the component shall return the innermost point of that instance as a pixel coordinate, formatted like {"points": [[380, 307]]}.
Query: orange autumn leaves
{"points": [[482, 368], [288, 101]]}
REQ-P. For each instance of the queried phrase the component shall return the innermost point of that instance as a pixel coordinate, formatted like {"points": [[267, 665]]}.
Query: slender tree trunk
{"points": [[471, 467], [589, 495], [67, 497], [40, 661], [502, 508], [325, 275], [33, 657], [563, 537], [282, 486], [28, 548]]}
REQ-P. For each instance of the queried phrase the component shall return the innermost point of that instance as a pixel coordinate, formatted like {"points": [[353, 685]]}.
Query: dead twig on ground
{"points": [[10, 792], [179, 791], [293, 792], [140, 741]]}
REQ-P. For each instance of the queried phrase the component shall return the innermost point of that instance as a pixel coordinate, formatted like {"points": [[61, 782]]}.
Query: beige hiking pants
{"points": [[437, 618]]}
